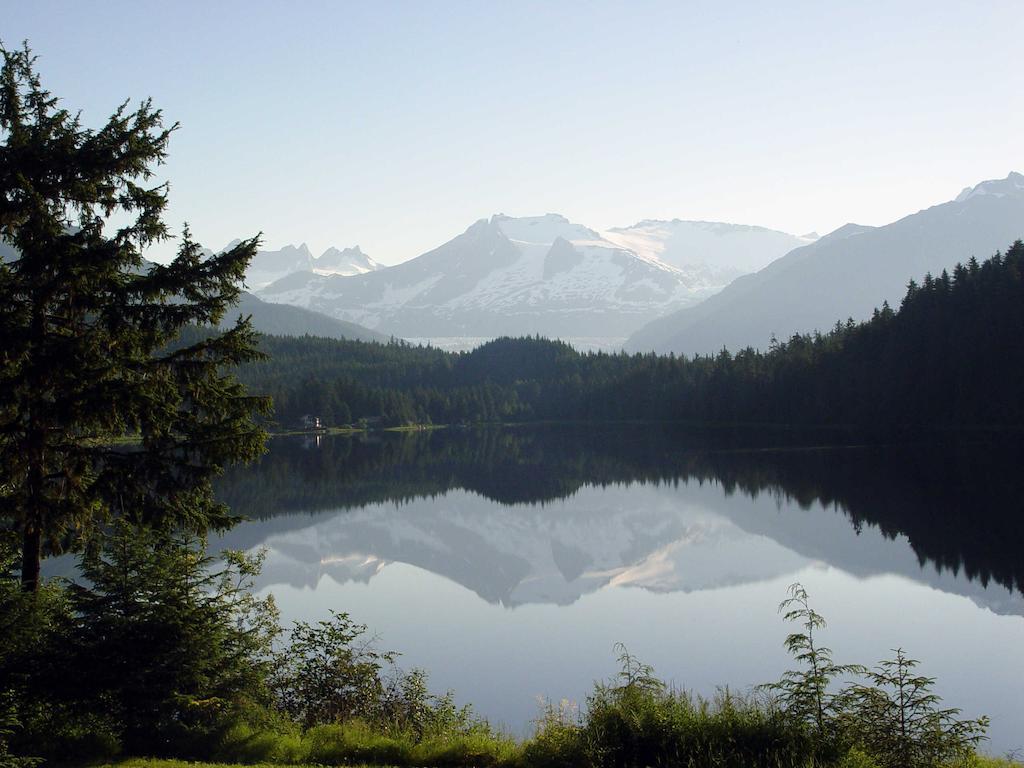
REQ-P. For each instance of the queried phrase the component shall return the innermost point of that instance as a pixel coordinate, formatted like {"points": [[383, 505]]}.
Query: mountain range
{"points": [[541, 274], [268, 266], [687, 287], [846, 274]]}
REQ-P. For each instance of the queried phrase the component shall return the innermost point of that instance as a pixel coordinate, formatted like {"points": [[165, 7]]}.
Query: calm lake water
{"points": [[508, 563]]}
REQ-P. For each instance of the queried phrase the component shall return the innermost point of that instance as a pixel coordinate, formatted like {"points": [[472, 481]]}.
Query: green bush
{"points": [[87, 738]]}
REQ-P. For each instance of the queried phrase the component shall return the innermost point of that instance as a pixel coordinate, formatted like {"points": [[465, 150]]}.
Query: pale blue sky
{"points": [[396, 125]]}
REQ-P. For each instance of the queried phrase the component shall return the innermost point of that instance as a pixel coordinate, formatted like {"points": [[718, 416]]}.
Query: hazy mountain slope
{"points": [[720, 252], [285, 320], [506, 275], [845, 274], [276, 319]]}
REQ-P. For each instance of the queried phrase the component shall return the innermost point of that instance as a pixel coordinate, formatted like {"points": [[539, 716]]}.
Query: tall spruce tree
{"points": [[87, 330]]}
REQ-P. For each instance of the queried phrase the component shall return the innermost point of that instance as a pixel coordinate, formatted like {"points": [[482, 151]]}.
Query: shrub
{"points": [[167, 640], [805, 693], [329, 672], [899, 722]]}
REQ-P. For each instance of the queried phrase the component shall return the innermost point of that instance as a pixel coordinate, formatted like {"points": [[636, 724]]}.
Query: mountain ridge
{"points": [[846, 273], [509, 275]]}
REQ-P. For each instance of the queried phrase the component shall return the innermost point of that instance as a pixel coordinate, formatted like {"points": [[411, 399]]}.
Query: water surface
{"points": [[509, 562]]}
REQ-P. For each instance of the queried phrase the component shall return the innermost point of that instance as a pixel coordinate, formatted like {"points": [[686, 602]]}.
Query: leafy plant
{"points": [[329, 672], [8, 723]]}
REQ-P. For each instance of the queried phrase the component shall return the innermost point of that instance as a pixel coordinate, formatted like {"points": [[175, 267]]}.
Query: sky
{"points": [[396, 125]]}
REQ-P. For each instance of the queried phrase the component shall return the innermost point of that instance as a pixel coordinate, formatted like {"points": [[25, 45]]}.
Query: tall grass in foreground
{"points": [[625, 726]]}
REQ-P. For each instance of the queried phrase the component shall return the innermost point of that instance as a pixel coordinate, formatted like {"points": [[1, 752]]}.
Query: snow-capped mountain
{"points": [[504, 275], [351, 261], [721, 252], [845, 274], [268, 266]]}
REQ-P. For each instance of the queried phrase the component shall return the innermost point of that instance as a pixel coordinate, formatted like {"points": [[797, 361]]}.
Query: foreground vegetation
{"points": [[161, 650], [855, 760]]}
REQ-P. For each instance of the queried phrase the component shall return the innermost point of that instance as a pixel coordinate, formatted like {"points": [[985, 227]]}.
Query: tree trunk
{"points": [[31, 552]]}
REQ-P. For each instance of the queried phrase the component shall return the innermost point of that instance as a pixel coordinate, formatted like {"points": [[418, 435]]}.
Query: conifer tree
{"points": [[168, 640], [85, 329]]}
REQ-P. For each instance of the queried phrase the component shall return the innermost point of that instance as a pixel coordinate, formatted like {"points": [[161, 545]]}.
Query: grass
{"points": [[354, 743], [151, 762], [855, 761], [625, 727]]}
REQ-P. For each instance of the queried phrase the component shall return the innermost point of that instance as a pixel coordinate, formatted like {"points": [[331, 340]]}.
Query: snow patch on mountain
{"points": [[1011, 185], [713, 253], [542, 230]]}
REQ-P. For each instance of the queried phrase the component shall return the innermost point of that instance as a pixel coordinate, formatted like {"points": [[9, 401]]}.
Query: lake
{"points": [[509, 562]]}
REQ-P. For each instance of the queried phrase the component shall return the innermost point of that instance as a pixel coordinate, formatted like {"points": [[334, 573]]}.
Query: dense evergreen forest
{"points": [[951, 354]]}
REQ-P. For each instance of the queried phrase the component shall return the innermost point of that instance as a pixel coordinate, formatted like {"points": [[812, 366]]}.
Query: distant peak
{"points": [[550, 218], [348, 261], [1012, 185], [301, 248], [333, 251]]}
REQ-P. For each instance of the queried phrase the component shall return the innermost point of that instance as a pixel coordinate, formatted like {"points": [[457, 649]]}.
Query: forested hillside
{"points": [[847, 273], [951, 354]]}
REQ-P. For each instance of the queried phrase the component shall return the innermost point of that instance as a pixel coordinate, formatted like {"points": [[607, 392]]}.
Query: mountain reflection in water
{"points": [[507, 562], [957, 506]]}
